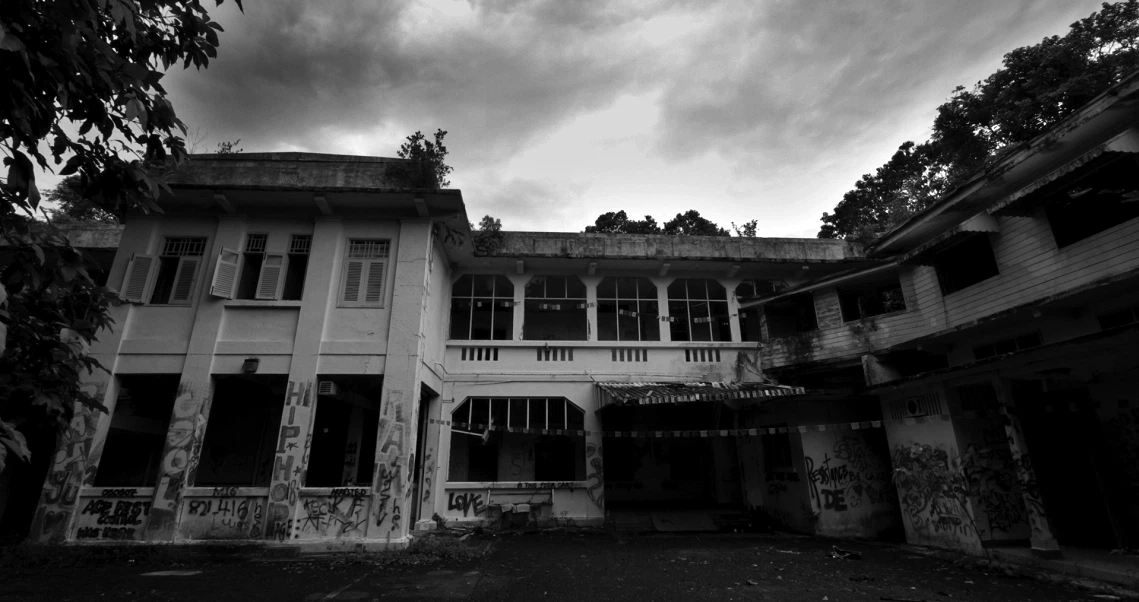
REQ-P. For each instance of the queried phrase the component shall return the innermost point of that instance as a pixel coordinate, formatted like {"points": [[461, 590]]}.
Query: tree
{"points": [[614, 223], [426, 167], [72, 207], [97, 65], [746, 229], [1037, 86], [488, 238], [225, 147], [691, 224]]}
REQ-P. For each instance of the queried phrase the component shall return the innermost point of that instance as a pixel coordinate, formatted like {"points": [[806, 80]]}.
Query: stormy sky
{"points": [[560, 110]]}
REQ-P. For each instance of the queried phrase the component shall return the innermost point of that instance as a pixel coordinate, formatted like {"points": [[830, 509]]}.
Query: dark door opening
{"points": [[646, 471], [426, 394]]}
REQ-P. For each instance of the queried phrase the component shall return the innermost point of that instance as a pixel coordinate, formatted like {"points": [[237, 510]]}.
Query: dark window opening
{"points": [[791, 316], [698, 310], [344, 432], [241, 433], [137, 437], [177, 270], [1104, 198], [251, 261], [627, 310], [871, 300], [1010, 345], [979, 397], [750, 329], [1121, 317], [299, 247], [482, 308], [965, 264], [777, 451], [517, 439], [555, 309]]}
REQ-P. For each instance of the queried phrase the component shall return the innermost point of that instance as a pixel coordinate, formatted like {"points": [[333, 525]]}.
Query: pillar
{"points": [[1041, 539]]}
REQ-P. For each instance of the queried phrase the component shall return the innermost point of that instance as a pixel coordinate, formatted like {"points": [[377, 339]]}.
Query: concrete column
{"points": [[519, 281], [1043, 543], [395, 444], [734, 311], [295, 433], [662, 307], [431, 481], [591, 283], [195, 391]]}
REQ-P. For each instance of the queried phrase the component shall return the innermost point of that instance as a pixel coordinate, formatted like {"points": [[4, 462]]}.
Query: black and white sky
{"points": [[559, 110]]}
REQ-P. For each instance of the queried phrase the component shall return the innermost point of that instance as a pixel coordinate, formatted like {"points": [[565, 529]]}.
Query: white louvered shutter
{"points": [[137, 281], [225, 274], [374, 291], [353, 277], [272, 276], [184, 280]]}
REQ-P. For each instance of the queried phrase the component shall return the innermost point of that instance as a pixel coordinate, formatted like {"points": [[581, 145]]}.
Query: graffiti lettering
{"points": [[116, 513], [120, 492], [855, 474], [467, 502], [596, 476], [547, 485]]}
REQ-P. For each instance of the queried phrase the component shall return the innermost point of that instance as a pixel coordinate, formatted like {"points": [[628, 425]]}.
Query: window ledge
{"points": [[601, 344], [109, 491], [261, 303], [888, 314]]}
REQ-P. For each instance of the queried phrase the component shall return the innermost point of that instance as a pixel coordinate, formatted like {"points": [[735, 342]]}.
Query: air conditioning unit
{"points": [[327, 387]]}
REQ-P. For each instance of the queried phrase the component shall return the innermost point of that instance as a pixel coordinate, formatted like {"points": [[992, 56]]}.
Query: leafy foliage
{"points": [[488, 238], [227, 147], [97, 65], [426, 167], [72, 207], [746, 229], [1037, 86], [690, 223]]}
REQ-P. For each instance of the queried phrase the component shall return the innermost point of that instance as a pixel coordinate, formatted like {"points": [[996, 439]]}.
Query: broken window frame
{"points": [[870, 299], [644, 318], [465, 294], [122, 440], [554, 297], [751, 326], [363, 279], [701, 312], [791, 316], [296, 271], [489, 418], [965, 263], [226, 412]]}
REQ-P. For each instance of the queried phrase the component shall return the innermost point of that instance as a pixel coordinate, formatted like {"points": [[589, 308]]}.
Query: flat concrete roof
{"points": [[289, 171], [524, 245]]}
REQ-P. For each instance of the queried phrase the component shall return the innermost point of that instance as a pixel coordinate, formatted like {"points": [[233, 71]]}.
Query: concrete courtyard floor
{"points": [[536, 567]]}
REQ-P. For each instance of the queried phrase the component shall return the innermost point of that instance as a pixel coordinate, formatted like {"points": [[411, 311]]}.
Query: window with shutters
{"points": [[365, 267], [251, 261], [627, 310], [178, 268], [698, 310], [482, 308]]}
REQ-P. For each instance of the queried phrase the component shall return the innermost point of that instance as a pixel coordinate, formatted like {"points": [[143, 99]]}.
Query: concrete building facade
{"points": [[312, 355]]}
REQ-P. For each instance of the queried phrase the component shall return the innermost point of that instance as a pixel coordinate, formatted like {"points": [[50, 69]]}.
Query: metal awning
{"points": [[982, 222], [630, 394], [1024, 200]]}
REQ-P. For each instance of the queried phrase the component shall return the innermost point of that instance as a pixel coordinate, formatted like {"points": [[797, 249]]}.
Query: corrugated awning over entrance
{"points": [[629, 394]]}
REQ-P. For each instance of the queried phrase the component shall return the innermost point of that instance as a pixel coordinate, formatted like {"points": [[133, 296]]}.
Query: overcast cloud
{"points": [[558, 111]]}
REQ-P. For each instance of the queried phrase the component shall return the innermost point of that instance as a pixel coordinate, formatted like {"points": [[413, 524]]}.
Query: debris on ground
{"points": [[841, 554]]}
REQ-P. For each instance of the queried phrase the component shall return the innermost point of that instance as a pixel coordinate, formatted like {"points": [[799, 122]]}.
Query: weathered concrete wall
{"points": [[657, 246], [850, 482]]}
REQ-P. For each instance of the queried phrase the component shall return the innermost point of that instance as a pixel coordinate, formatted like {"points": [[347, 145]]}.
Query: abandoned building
{"points": [[310, 354]]}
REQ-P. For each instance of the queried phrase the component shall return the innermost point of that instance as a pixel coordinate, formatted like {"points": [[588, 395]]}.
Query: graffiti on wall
{"points": [[467, 503], [289, 460], [179, 457], [74, 466], [849, 476], [428, 474], [595, 475], [223, 515], [344, 513], [391, 481], [106, 518], [993, 483], [933, 490]]}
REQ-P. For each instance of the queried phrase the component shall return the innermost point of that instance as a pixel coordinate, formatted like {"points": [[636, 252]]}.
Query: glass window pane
{"points": [[555, 287], [721, 323], [555, 320], [536, 288], [557, 413], [700, 322], [480, 411], [627, 288], [460, 319], [498, 408], [646, 289], [518, 413], [537, 414], [574, 288], [503, 320], [650, 321], [481, 313], [607, 289], [716, 291], [484, 285], [627, 326], [503, 287], [677, 289], [606, 321], [678, 320], [462, 286]]}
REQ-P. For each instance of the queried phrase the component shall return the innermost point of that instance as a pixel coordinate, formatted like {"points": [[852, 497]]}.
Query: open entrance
{"points": [[422, 455], [344, 434], [656, 469], [241, 434], [1078, 480]]}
